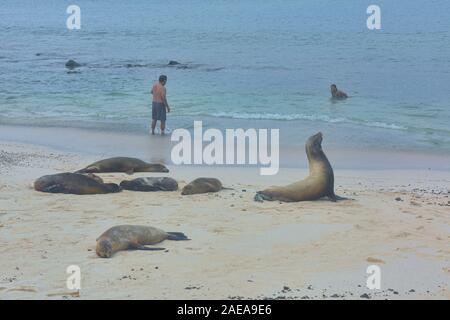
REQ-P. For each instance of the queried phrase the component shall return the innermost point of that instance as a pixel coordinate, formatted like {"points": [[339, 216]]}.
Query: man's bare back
{"points": [[159, 93]]}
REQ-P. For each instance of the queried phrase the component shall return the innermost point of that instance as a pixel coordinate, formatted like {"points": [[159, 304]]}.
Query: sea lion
{"points": [[337, 94], [74, 183], [133, 237], [150, 184], [203, 185], [123, 164], [318, 184]]}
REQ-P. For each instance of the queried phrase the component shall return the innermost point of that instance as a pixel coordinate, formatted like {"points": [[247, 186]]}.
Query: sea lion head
{"points": [[156, 167], [187, 190], [333, 88], [104, 248], [93, 176], [112, 187], [127, 185], [314, 145]]}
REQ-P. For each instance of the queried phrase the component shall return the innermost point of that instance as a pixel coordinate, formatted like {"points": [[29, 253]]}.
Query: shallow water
{"points": [[247, 64]]}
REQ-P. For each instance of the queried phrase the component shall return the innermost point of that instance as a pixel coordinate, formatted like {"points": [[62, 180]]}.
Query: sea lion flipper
{"points": [[142, 247], [333, 197], [177, 236], [338, 198], [54, 188], [260, 196]]}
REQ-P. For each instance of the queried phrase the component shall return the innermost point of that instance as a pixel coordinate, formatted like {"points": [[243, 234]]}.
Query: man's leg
{"points": [[153, 126], [163, 126]]}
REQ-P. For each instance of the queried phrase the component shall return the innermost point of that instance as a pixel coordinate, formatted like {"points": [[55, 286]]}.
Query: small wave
{"points": [[290, 117], [276, 116]]}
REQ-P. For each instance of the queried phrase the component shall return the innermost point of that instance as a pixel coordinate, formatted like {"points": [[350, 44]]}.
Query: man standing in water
{"points": [[159, 104]]}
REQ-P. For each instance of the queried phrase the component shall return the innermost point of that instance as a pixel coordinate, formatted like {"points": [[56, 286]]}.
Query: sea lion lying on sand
{"points": [[203, 185], [123, 164], [133, 237], [74, 183], [150, 184], [319, 183]]}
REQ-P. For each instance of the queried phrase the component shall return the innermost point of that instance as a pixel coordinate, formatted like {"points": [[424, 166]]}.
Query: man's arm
{"points": [[165, 100]]}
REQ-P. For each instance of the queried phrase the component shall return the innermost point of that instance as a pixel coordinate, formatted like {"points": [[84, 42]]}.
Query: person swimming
{"points": [[337, 94]]}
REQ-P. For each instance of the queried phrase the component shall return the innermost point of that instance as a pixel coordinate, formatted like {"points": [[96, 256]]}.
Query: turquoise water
{"points": [[248, 64]]}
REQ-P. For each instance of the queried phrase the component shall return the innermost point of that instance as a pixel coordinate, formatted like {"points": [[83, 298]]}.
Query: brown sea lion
{"points": [[319, 183], [123, 164], [74, 183], [203, 185], [337, 94], [126, 237], [150, 184]]}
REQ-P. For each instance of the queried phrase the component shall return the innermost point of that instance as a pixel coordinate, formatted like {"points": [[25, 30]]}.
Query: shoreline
{"points": [[157, 149]]}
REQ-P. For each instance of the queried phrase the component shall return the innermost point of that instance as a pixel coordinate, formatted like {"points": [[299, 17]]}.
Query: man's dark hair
{"points": [[162, 78]]}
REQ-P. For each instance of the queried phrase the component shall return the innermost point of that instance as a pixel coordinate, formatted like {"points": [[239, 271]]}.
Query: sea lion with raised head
{"points": [[123, 164], [150, 184], [337, 94], [126, 237], [203, 185], [319, 183], [74, 183]]}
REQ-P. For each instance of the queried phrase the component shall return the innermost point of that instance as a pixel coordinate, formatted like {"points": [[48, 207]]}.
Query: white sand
{"points": [[239, 248]]}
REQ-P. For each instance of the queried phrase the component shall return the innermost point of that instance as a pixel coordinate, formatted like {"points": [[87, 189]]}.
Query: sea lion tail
{"points": [[177, 236]]}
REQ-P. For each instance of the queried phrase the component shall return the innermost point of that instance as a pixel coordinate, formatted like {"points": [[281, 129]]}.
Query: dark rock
{"points": [[173, 63], [72, 64], [365, 296]]}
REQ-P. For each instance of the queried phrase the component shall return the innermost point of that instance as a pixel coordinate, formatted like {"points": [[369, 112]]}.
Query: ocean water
{"points": [[247, 63]]}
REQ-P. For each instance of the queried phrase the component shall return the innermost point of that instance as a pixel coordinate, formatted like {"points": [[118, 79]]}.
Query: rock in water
{"points": [[72, 64]]}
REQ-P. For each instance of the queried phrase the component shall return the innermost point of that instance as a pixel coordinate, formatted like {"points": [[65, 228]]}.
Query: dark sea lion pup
{"points": [[150, 184], [74, 183], [123, 164], [203, 185], [319, 183], [133, 237]]}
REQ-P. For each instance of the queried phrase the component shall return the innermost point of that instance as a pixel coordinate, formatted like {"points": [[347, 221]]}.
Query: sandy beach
{"points": [[398, 219]]}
